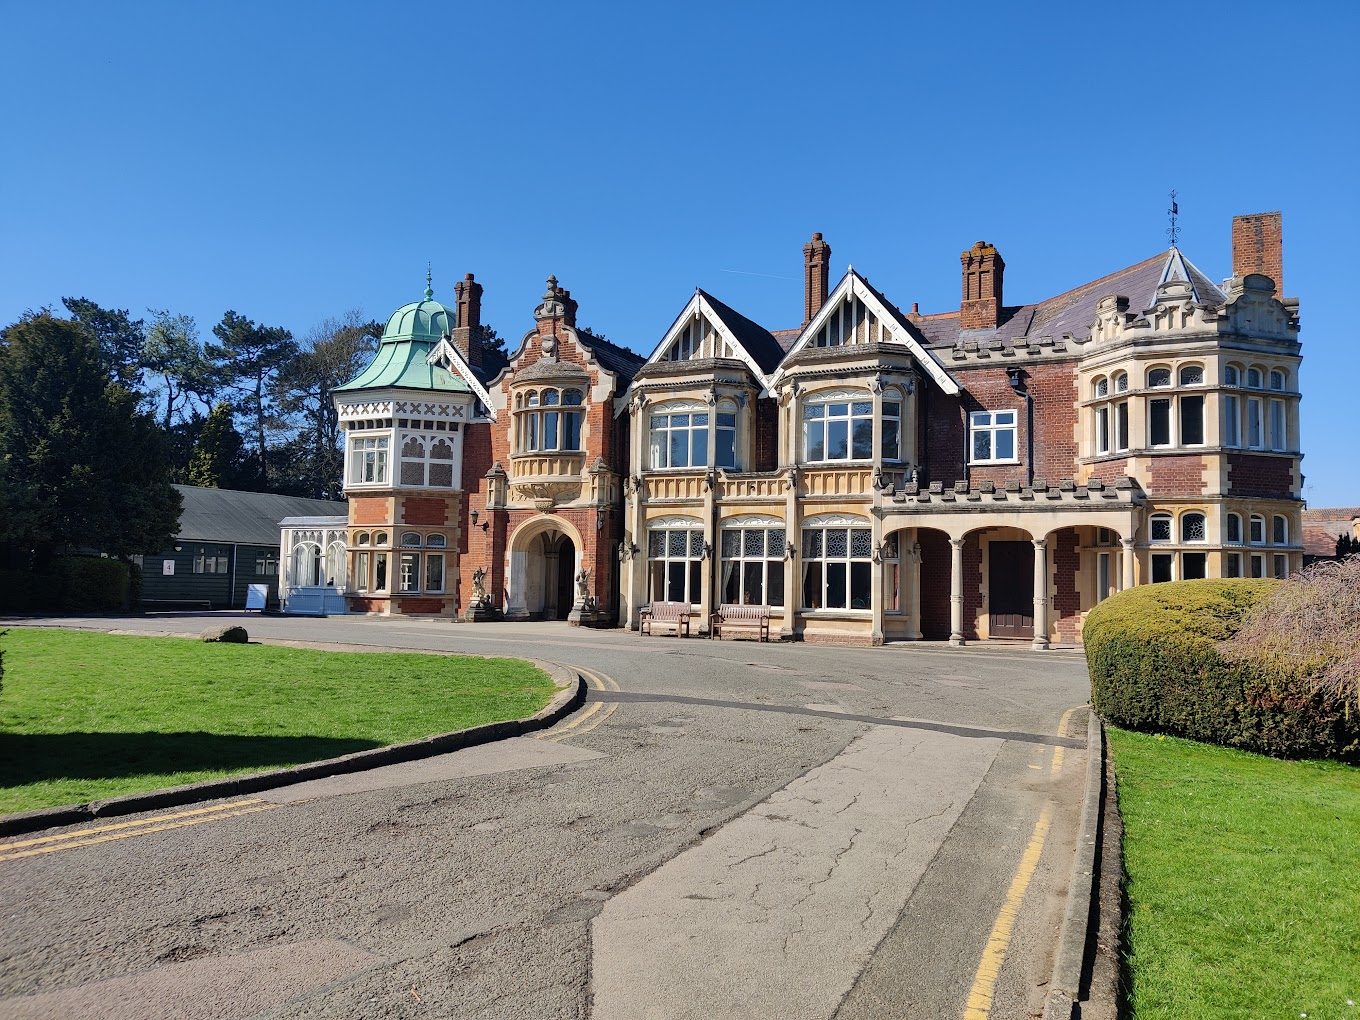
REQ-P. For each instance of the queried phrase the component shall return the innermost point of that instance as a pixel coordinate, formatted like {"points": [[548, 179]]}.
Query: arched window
{"points": [[1102, 387], [837, 563], [361, 538], [838, 425], [1192, 527], [1234, 530], [1121, 382], [1258, 530], [335, 564], [1158, 377], [436, 541], [1159, 528], [380, 538], [413, 461], [306, 566], [1192, 375], [410, 540], [1232, 375], [1277, 378], [1279, 530], [675, 551], [1254, 378]]}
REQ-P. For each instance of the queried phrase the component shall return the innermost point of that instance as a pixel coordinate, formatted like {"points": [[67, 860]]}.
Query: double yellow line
{"points": [[594, 714], [126, 830], [979, 1003]]}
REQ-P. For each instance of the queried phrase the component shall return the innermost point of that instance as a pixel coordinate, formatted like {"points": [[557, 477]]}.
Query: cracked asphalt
{"points": [[755, 831]]}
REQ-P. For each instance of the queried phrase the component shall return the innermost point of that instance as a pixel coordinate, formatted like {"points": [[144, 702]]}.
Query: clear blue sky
{"points": [[291, 161]]}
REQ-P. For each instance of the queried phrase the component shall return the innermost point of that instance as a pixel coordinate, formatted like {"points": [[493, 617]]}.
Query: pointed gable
{"points": [[707, 328], [856, 313], [449, 357]]}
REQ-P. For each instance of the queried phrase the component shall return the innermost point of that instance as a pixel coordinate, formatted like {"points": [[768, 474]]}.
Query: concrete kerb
{"points": [[570, 697], [1064, 986]]}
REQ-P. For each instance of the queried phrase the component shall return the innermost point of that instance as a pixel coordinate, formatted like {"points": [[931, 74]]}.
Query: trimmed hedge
{"points": [[1153, 654], [75, 584]]}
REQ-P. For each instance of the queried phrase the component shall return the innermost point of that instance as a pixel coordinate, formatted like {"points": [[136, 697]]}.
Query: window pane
{"points": [[1161, 568], [1159, 377], [726, 453], [864, 438], [1192, 375], [1004, 418], [657, 592], [727, 421], [837, 544], [1192, 421], [1280, 531], [982, 445], [434, 572], [1277, 429], [571, 431], [861, 543], [812, 543], [1121, 426], [1192, 528], [811, 411], [1258, 566], [1193, 566], [835, 585], [410, 572], [778, 543], [892, 429], [700, 446], [695, 585], [837, 440], [1234, 528], [1161, 529], [862, 407], [1005, 444], [1255, 438], [677, 543], [752, 586], [812, 584], [656, 544], [731, 542], [774, 573], [380, 572], [860, 581], [731, 582], [675, 581], [1159, 433], [1234, 565], [753, 542], [680, 448], [838, 410], [816, 441], [1103, 430], [1232, 423], [696, 544]]}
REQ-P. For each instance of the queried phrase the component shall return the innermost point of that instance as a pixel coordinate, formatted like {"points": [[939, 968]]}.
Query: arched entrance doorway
{"points": [[543, 560]]}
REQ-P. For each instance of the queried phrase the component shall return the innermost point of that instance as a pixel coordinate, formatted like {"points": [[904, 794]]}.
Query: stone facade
{"points": [[873, 475]]}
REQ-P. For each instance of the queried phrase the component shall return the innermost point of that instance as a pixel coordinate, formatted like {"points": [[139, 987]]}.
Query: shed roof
{"points": [[243, 518]]}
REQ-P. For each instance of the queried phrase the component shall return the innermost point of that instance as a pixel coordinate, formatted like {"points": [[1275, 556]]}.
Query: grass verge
{"points": [[1243, 899], [85, 716]]}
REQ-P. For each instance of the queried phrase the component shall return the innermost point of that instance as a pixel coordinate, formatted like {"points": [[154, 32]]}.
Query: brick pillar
{"points": [[983, 269], [816, 262], [1257, 247]]}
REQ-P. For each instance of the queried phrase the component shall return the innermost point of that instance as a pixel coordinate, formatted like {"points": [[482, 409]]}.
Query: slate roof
{"points": [[619, 360], [244, 518], [760, 343], [786, 338], [1074, 311]]}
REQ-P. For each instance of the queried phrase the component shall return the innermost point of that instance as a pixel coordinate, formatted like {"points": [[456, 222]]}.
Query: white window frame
{"points": [[1161, 519], [1279, 438], [1279, 530], [736, 533], [666, 557], [369, 459], [891, 426], [856, 562], [660, 437], [824, 409], [534, 409], [987, 423], [1254, 532], [1232, 420], [1228, 532]]}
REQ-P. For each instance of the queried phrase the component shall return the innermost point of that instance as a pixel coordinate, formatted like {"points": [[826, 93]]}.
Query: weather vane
{"points": [[1173, 231]]}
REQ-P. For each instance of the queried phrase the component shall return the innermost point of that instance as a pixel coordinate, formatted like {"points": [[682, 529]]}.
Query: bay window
{"points": [[368, 460], [549, 421], [837, 566], [679, 439], [675, 550], [426, 461], [753, 563], [838, 427]]}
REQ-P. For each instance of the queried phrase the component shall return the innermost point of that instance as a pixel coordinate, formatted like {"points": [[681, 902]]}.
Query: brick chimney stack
{"points": [[1257, 247], [816, 260], [467, 336], [983, 268]]}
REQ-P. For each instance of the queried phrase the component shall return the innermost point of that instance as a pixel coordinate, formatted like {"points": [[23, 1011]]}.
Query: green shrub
{"points": [[92, 584], [1156, 664]]}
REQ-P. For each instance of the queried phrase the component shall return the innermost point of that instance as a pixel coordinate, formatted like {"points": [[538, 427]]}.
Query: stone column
{"points": [[876, 581], [793, 535], [1040, 593], [1129, 563], [956, 593]]}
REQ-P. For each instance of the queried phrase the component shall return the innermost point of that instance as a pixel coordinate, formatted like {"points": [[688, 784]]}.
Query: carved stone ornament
{"points": [[547, 495]]}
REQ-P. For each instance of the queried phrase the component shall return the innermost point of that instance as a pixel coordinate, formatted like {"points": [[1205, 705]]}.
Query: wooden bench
{"points": [[739, 618], [670, 614]]}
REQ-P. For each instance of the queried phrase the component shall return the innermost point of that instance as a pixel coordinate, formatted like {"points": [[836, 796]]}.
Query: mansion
{"points": [[871, 475]]}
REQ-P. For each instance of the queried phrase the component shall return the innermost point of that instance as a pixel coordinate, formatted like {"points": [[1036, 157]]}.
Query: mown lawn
{"points": [[1243, 882], [85, 716]]}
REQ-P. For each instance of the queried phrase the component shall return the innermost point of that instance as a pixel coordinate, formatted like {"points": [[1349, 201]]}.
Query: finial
{"points": [[429, 279], [1173, 231]]}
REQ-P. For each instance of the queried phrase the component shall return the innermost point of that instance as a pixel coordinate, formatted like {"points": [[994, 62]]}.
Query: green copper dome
{"points": [[402, 360], [420, 320]]}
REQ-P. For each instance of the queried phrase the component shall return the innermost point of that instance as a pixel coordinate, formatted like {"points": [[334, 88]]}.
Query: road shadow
{"points": [[35, 757]]}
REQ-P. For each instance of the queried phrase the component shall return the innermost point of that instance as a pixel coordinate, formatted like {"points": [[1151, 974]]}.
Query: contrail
{"points": [[766, 275]]}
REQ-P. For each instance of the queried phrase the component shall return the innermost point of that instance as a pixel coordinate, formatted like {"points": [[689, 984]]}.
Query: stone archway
{"points": [[543, 557]]}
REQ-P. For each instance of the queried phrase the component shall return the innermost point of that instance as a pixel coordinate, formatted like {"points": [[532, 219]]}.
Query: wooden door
{"points": [[1010, 589]]}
